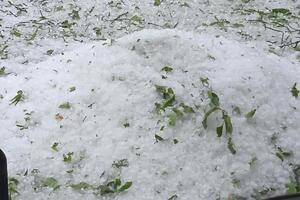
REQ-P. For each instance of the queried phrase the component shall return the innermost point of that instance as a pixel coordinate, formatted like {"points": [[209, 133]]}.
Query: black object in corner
{"points": [[3, 177], [286, 197]]}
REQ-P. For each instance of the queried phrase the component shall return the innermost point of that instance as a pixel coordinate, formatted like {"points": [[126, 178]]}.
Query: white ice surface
{"points": [[118, 80]]}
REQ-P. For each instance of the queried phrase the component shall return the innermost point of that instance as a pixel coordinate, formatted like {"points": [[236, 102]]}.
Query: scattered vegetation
{"points": [[175, 110], [214, 107]]}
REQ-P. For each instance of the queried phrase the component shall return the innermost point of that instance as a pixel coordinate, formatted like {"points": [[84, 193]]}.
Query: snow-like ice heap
{"points": [[112, 117]]}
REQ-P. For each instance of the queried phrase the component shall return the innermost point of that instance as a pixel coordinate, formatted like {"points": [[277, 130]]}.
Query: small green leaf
{"points": [[65, 105], [66, 24], [104, 189], [236, 110], [19, 97], [75, 15], [214, 99], [51, 183], [228, 124], [68, 157], [250, 114], [230, 146], [72, 89], [295, 91], [136, 19], [16, 33], [280, 156], [54, 146], [220, 130], [177, 112], [117, 183], [2, 71], [81, 186], [126, 125], [161, 89], [187, 109], [169, 101], [253, 161], [50, 52], [157, 2], [158, 108], [126, 186], [158, 138], [206, 115], [168, 95], [283, 154], [283, 11], [167, 69], [204, 81], [13, 186], [121, 163], [172, 119], [292, 188], [173, 197]]}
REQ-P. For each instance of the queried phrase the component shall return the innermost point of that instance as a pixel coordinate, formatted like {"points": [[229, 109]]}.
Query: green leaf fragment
{"points": [[220, 130], [228, 124], [72, 89], [124, 187], [172, 119], [121, 163], [295, 91], [66, 24], [169, 101], [75, 15], [12, 186], [158, 138], [283, 154], [283, 11], [187, 109], [250, 114], [16, 33], [54, 146], [114, 187], [236, 110], [230, 146], [204, 81], [51, 183], [292, 188], [214, 99], [19, 97], [167, 69], [67, 158], [136, 19], [173, 197], [206, 115], [65, 105], [81, 186], [280, 156], [157, 2], [50, 52], [158, 108], [178, 112], [2, 71]]}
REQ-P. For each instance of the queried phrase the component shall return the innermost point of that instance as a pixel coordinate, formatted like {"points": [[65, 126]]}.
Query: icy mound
{"points": [[112, 117]]}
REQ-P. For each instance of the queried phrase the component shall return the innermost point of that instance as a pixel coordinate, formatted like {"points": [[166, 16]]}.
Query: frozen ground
{"points": [[90, 98]]}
